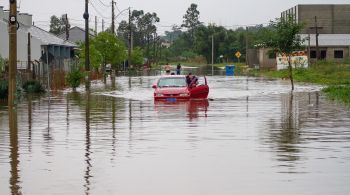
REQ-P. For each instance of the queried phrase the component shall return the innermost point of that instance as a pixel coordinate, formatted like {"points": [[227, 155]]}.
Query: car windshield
{"points": [[172, 82]]}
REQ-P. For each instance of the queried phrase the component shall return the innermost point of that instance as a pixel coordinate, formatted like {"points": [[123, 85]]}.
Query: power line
{"points": [[98, 12], [104, 4]]}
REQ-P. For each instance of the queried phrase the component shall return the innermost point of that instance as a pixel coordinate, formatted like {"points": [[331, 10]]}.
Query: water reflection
{"points": [[87, 145], [241, 136], [14, 154], [30, 121], [285, 135], [193, 108]]}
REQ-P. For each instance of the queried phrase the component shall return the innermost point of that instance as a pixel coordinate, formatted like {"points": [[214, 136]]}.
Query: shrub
{"points": [[338, 92], [74, 78], [33, 87], [3, 89]]}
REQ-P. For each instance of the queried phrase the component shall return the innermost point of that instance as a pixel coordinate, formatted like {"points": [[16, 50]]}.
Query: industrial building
{"points": [[333, 26]]}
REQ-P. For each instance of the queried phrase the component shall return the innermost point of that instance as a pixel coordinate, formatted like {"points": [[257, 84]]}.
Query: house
{"points": [[76, 35], [334, 47], [60, 52], [333, 25]]}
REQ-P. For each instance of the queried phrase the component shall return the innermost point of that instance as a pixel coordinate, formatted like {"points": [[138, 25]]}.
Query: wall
{"points": [[22, 44], [264, 61], [252, 59], [335, 19]]}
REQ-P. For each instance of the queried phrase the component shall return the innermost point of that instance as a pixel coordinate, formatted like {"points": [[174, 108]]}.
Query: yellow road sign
{"points": [[238, 54]]}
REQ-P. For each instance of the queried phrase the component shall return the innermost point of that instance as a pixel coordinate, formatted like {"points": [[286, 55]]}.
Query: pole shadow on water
{"points": [[14, 154], [87, 145]]}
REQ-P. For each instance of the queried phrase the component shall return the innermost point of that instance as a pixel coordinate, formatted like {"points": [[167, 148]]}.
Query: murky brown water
{"points": [[254, 138]]}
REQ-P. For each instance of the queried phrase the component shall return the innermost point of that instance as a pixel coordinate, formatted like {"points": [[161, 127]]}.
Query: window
{"points": [[323, 54], [312, 54], [338, 54], [172, 82]]}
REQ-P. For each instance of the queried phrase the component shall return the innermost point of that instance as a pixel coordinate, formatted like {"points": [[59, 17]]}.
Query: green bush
{"points": [[74, 78], [338, 92], [33, 87], [3, 89]]}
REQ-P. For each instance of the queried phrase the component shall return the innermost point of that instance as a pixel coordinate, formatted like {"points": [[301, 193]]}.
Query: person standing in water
{"points": [[178, 69], [167, 69]]}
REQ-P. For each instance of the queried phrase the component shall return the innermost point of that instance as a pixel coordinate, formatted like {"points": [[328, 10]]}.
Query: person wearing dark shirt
{"points": [[191, 80], [178, 69]]}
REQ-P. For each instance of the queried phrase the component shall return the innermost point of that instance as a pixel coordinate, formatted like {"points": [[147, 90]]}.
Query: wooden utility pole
{"points": [[130, 39], [212, 55], [246, 46], [113, 26], [12, 53], [316, 27], [95, 25], [29, 53], [87, 46], [67, 26]]}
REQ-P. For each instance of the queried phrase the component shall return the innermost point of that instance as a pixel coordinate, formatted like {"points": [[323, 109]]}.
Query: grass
{"points": [[336, 76], [339, 93]]}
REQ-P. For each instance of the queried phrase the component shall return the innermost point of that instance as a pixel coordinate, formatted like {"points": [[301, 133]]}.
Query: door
{"points": [[201, 90]]}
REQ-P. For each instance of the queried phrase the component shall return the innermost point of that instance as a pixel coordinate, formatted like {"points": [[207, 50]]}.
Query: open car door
{"points": [[201, 90]]}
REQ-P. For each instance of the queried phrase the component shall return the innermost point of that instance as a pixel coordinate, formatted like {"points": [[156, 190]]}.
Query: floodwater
{"points": [[252, 137]]}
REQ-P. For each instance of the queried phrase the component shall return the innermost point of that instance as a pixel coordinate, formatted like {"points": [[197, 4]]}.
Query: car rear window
{"points": [[172, 82]]}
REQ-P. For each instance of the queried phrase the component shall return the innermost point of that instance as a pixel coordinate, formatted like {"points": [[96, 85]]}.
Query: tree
{"points": [[285, 39], [191, 18], [95, 57], [57, 26], [137, 56], [110, 47], [143, 29], [2, 64]]}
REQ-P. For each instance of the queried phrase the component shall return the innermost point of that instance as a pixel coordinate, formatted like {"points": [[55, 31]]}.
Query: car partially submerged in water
{"points": [[174, 87]]}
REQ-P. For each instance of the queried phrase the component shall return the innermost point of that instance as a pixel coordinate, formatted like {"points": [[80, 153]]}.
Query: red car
{"points": [[174, 87]]}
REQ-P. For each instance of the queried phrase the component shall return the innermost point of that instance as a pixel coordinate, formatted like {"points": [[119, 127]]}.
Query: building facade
{"points": [[330, 18], [333, 25], [60, 52], [76, 35]]}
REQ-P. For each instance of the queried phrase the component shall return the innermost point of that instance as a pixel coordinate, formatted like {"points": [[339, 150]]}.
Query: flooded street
{"points": [[251, 137]]}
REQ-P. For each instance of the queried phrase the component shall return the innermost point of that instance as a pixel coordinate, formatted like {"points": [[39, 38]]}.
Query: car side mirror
{"points": [[154, 86]]}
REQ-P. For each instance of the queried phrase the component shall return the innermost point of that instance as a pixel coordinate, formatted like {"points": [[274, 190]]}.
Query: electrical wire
{"points": [[104, 4], [98, 12]]}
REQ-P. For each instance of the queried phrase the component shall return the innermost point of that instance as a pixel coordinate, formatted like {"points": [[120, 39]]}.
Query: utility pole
{"points": [[154, 47], [212, 55], [67, 26], [103, 25], [316, 27], [130, 39], [29, 53], [308, 50], [246, 47], [95, 25], [12, 53], [113, 16], [87, 46]]}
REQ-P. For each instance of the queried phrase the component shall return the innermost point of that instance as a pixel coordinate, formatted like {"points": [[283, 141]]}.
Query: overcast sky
{"points": [[229, 13]]}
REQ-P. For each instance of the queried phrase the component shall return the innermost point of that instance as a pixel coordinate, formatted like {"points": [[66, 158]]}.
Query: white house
{"points": [[60, 51]]}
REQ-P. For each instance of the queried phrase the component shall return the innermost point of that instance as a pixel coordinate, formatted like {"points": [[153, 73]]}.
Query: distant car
{"points": [[174, 87]]}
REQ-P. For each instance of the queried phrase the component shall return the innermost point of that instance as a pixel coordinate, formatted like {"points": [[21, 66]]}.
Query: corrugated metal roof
{"points": [[330, 40], [47, 38]]}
